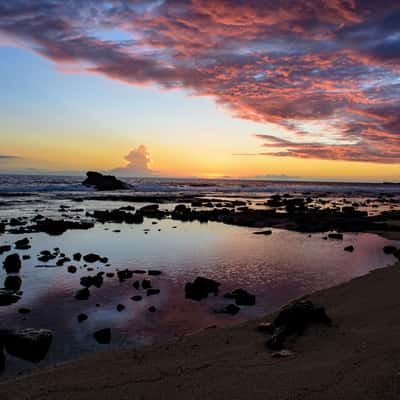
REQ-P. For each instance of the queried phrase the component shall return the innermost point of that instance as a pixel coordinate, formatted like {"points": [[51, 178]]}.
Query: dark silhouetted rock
{"points": [[294, 319], [24, 311], [120, 307], [136, 285], [350, 249], [91, 258], [139, 271], [389, 249], [4, 249], [152, 309], [82, 294], [124, 275], [201, 288], [23, 244], [26, 257], [152, 292], [28, 344], [136, 298], [242, 297], [12, 263], [103, 182], [72, 269], [58, 227], [77, 257], [103, 336], [146, 284], [154, 272], [8, 297], [13, 282], [82, 317]]}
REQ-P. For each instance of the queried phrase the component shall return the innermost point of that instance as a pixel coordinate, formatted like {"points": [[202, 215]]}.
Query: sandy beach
{"points": [[358, 357]]}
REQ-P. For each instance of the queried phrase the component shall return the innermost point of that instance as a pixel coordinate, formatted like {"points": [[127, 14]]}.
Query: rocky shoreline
{"points": [[334, 360]]}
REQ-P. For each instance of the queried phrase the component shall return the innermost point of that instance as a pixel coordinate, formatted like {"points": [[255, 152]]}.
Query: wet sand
{"points": [[357, 358]]}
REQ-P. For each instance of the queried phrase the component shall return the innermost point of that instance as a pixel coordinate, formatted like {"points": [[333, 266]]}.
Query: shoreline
{"points": [[358, 357]]}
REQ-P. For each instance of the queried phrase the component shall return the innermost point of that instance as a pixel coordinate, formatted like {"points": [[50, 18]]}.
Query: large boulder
{"points": [[201, 288], [12, 263], [28, 344], [104, 182], [293, 319]]}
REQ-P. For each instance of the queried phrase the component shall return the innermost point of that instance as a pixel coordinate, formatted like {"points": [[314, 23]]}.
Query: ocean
{"points": [[275, 268]]}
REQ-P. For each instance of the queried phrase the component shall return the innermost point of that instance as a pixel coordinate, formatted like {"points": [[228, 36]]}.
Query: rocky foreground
{"points": [[354, 354]]}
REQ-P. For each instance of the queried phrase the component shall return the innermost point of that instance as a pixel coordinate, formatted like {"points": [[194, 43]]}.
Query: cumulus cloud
{"points": [[287, 62], [138, 163]]}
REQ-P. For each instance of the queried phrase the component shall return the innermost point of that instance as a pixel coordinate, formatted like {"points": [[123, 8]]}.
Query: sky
{"points": [[304, 89]]}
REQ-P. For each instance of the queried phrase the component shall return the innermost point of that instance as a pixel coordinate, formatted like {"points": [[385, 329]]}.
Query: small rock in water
{"points": [[77, 257], [201, 288], [91, 258], [82, 317], [22, 244], [146, 284], [350, 249], [136, 285], [124, 275], [26, 257], [154, 272], [152, 292], [120, 307], [72, 269], [136, 298], [13, 282], [24, 310], [389, 249], [82, 294], [12, 263], [4, 249], [8, 297], [103, 336], [152, 309]]}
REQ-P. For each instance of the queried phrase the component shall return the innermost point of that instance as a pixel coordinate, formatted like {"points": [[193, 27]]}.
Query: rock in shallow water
{"points": [[13, 282], [103, 336], [201, 288], [12, 263], [8, 297], [28, 344], [82, 294]]}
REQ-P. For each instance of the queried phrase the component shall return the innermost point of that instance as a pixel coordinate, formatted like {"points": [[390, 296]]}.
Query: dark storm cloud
{"points": [[289, 62]]}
